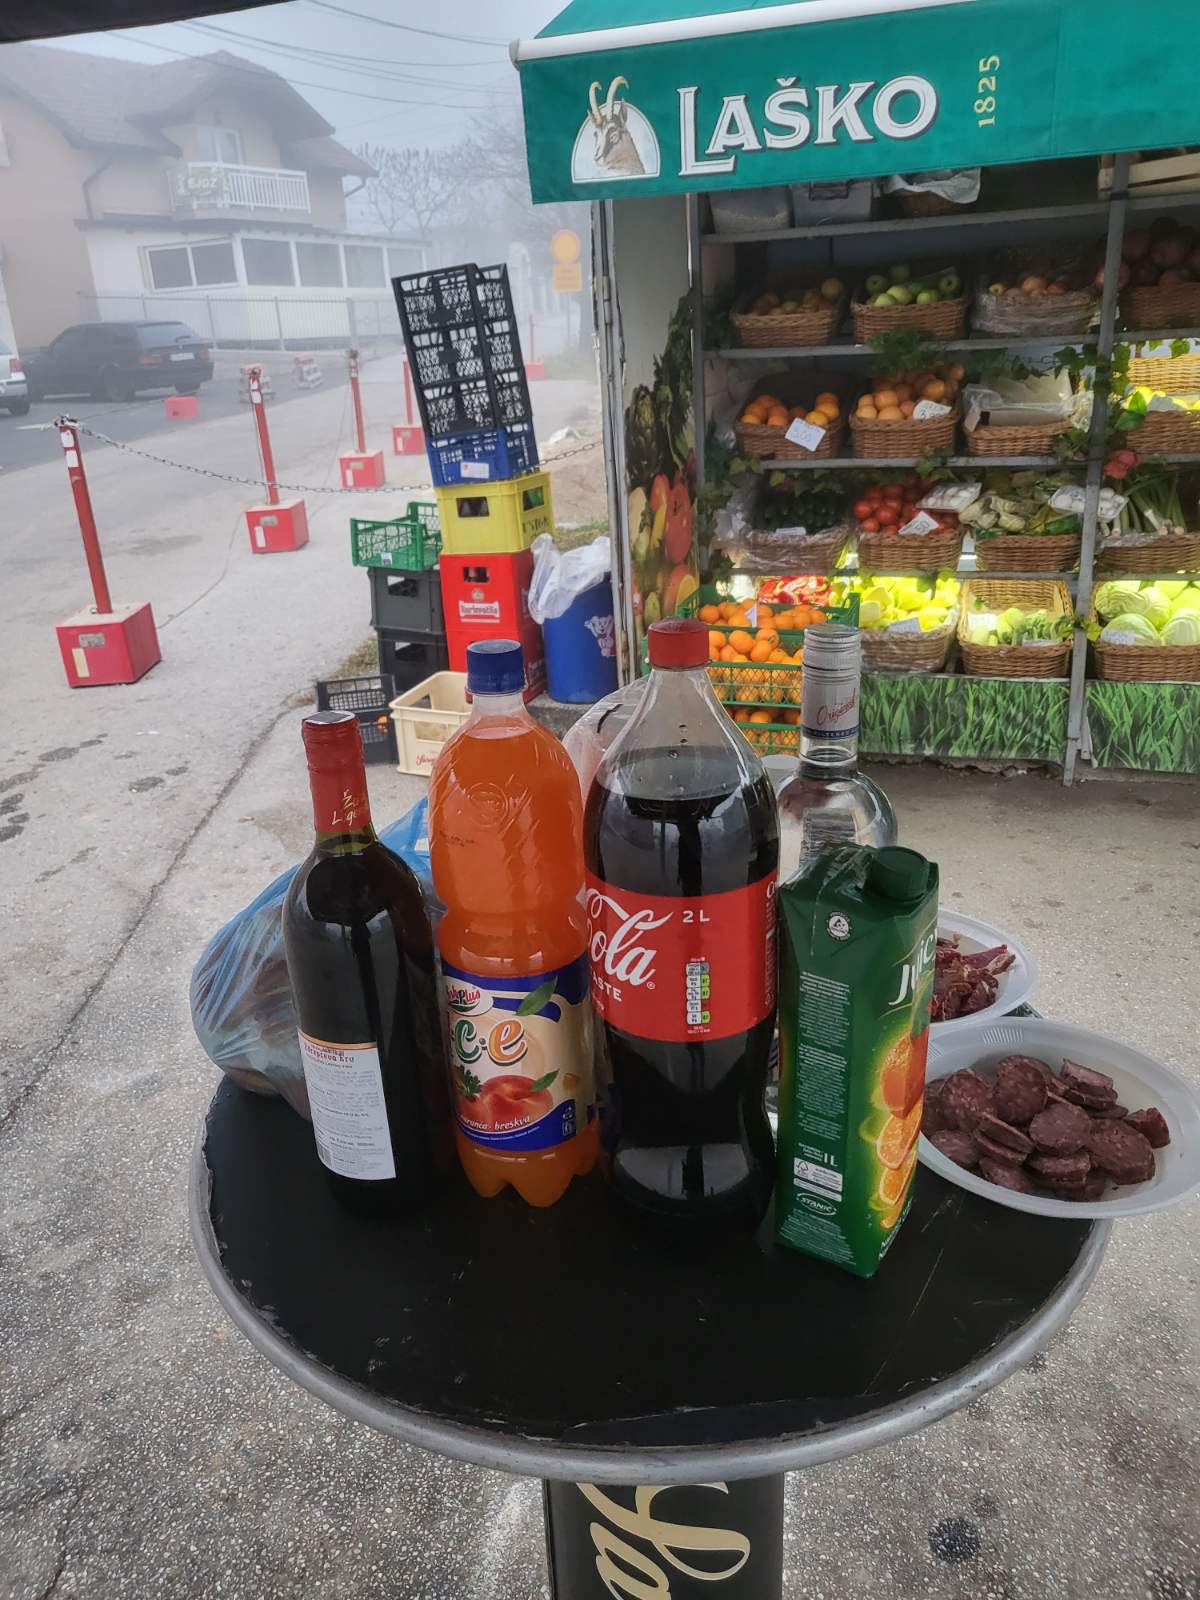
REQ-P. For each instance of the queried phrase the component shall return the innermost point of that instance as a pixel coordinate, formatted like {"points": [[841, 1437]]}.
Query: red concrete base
{"points": [[276, 528], [535, 369], [100, 647], [182, 407], [362, 471], [407, 439]]}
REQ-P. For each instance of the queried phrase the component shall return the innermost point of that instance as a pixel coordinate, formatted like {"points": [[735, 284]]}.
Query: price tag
{"points": [[921, 523], [1118, 636], [929, 410], [973, 417], [1050, 644], [791, 533], [905, 625], [806, 434]]}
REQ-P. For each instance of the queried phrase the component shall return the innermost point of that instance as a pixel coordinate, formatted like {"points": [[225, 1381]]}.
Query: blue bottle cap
{"points": [[495, 666]]}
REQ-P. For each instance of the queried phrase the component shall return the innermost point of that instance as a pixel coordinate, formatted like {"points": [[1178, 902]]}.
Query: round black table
{"points": [[563, 1344]]}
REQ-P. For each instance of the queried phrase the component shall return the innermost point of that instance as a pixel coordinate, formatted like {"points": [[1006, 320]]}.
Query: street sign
{"points": [[568, 277], [564, 246]]}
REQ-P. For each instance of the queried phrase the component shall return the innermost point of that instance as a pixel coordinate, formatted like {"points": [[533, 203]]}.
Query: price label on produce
{"points": [[806, 434], [905, 625], [973, 417], [1049, 644], [929, 410], [921, 523], [1117, 636], [800, 532]]}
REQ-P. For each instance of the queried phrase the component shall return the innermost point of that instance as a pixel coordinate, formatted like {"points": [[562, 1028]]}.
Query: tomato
{"points": [[888, 516], [870, 525], [874, 495], [893, 493], [863, 508]]}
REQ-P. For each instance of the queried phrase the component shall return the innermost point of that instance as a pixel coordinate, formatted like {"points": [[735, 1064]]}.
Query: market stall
{"points": [[877, 303]]}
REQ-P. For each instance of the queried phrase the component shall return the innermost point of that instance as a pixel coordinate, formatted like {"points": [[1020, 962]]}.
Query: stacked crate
{"points": [[465, 354], [401, 557]]}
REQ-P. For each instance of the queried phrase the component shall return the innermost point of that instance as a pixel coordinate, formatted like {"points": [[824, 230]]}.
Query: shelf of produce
{"points": [[847, 347], [794, 464]]}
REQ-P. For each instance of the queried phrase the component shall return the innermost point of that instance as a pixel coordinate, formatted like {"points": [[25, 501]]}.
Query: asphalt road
{"points": [[21, 447]]}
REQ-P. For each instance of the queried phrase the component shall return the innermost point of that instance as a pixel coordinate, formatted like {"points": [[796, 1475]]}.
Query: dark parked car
{"points": [[113, 360]]}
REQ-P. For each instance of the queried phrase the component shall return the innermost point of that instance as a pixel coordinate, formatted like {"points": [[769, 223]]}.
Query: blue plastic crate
{"points": [[483, 455]]}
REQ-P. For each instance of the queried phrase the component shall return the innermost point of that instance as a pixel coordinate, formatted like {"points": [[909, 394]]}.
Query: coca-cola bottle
{"points": [[681, 845]]}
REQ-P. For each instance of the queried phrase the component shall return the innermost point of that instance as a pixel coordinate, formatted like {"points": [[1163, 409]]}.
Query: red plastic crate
{"points": [[484, 597]]}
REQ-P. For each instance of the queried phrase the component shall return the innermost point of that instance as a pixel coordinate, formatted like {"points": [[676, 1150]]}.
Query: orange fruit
{"points": [[766, 636], [741, 641], [716, 639], [761, 651], [778, 418], [816, 615], [894, 1181], [827, 399], [886, 397], [709, 613], [751, 417], [897, 1137], [779, 655], [935, 389], [792, 718], [741, 716], [818, 419], [866, 411], [713, 653], [890, 414], [760, 717], [765, 612], [726, 608], [738, 617], [728, 653], [747, 695]]}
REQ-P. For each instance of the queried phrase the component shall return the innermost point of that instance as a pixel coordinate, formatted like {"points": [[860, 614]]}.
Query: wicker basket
{"points": [[756, 439], [1177, 305], [1023, 439], [1028, 552], [1073, 311], [1166, 374], [945, 320], [1161, 432], [909, 552], [924, 203], [1013, 660], [907, 438], [1145, 663], [795, 554], [790, 327], [1173, 552], [906, 652]]}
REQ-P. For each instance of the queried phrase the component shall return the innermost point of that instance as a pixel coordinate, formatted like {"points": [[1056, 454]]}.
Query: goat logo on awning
{"points": [[614, 141]]}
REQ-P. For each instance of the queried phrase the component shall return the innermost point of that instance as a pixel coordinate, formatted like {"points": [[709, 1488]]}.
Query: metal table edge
{"points": [[580, 1463]]}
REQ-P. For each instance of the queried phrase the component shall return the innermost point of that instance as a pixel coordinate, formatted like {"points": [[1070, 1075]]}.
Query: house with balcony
{"points": [[207, 190]]}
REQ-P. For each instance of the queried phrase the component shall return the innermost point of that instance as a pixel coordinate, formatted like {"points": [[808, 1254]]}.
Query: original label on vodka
{"points": [[830, 706]]}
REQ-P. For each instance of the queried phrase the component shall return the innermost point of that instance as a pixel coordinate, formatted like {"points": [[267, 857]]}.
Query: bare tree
{"points": [[413, 188]]}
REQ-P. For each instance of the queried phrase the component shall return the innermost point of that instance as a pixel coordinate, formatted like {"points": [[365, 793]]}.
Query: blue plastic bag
{"points": [[242, 1006]]}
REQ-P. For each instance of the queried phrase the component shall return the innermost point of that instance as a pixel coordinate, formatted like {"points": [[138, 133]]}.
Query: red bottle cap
{"points": [[331, 739], [678, 642]]}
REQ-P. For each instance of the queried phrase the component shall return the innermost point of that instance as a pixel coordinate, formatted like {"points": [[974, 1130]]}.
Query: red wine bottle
{"points": [[360, 958]]}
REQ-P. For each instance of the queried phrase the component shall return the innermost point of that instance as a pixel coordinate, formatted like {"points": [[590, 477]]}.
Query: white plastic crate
{"points": [[425, 717]]}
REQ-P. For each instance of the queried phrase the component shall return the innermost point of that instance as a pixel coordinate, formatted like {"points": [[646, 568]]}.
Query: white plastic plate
{"points": [[1016, 985], [1140, 1081]]}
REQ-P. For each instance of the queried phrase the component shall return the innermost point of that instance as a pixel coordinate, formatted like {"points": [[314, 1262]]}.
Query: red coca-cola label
{"points": [[681, 968]]}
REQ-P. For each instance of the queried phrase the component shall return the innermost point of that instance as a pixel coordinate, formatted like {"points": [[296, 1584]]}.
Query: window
{"points": [[223, 145], [320, 265], [401, 261], [268, 261], [179, 266], [364, 266], [152, 335]]}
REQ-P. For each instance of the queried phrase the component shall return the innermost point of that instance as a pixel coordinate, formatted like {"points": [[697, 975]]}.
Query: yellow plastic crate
{"points": [[495, 518], [425, 717]]}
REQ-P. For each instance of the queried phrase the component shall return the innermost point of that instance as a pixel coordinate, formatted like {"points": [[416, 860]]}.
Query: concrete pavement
{"points": [[145, 1450]]}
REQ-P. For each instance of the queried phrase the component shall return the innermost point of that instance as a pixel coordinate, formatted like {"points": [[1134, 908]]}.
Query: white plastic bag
{"points": [[959, 185], [559, 577]]}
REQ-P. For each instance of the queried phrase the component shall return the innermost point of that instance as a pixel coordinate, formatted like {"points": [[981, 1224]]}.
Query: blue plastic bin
{"points": [[484, 455], [581, 654]]}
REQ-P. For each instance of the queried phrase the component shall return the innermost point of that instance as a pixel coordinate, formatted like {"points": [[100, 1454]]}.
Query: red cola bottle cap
{"points": [[678, 642]]}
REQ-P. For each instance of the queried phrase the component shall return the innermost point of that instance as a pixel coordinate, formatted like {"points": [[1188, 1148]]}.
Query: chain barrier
{"points": [[261, 483]]}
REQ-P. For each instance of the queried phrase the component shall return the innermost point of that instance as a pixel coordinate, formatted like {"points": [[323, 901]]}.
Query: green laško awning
{"points": [[646, 97]]}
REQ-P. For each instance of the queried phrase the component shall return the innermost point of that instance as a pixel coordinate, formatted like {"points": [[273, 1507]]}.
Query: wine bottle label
{"points": [[349, 1114], [829, 709], [677, 968], [521, 1056]]}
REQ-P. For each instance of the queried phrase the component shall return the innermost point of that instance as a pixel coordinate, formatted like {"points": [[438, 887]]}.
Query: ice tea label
{"points": [[681, 968], [521, 1056], [349, 1114], [829, 708]]}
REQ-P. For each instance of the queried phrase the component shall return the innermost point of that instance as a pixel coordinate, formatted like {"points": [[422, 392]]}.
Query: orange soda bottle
{"points": [[505, 833]]}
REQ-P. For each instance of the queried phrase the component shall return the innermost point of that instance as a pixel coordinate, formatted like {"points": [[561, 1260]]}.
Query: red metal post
{"points": [[408, 416], [253, 375], [87, 517], [356, 392]]}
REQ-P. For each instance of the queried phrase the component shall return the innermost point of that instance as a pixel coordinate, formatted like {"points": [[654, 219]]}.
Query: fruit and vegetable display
{"points": [[1162, 256], [1020, 503], [814, 501], [893, 504], [1166, 612], [1028, 1126], [767, 410], [1044, 277], [1015, 626], [964, 983], [899, 398], [895, 603], [1150, 504], [895, 285], [786, 301]]}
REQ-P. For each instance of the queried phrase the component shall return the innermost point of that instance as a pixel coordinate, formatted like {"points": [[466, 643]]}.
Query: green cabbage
{"points": [[1188, 599], [1183, 628], [1123, 595], [1156, 608], [1172, 587], [1132, 623]]}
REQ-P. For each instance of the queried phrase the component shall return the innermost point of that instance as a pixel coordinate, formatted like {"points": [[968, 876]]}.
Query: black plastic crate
{"points": [[407, 602], [370, 698], [410, 658], [438, 299]]}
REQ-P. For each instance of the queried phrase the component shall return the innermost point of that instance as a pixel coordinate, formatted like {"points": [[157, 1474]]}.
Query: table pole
{"points": [[714, 1541], [87, 517]]}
